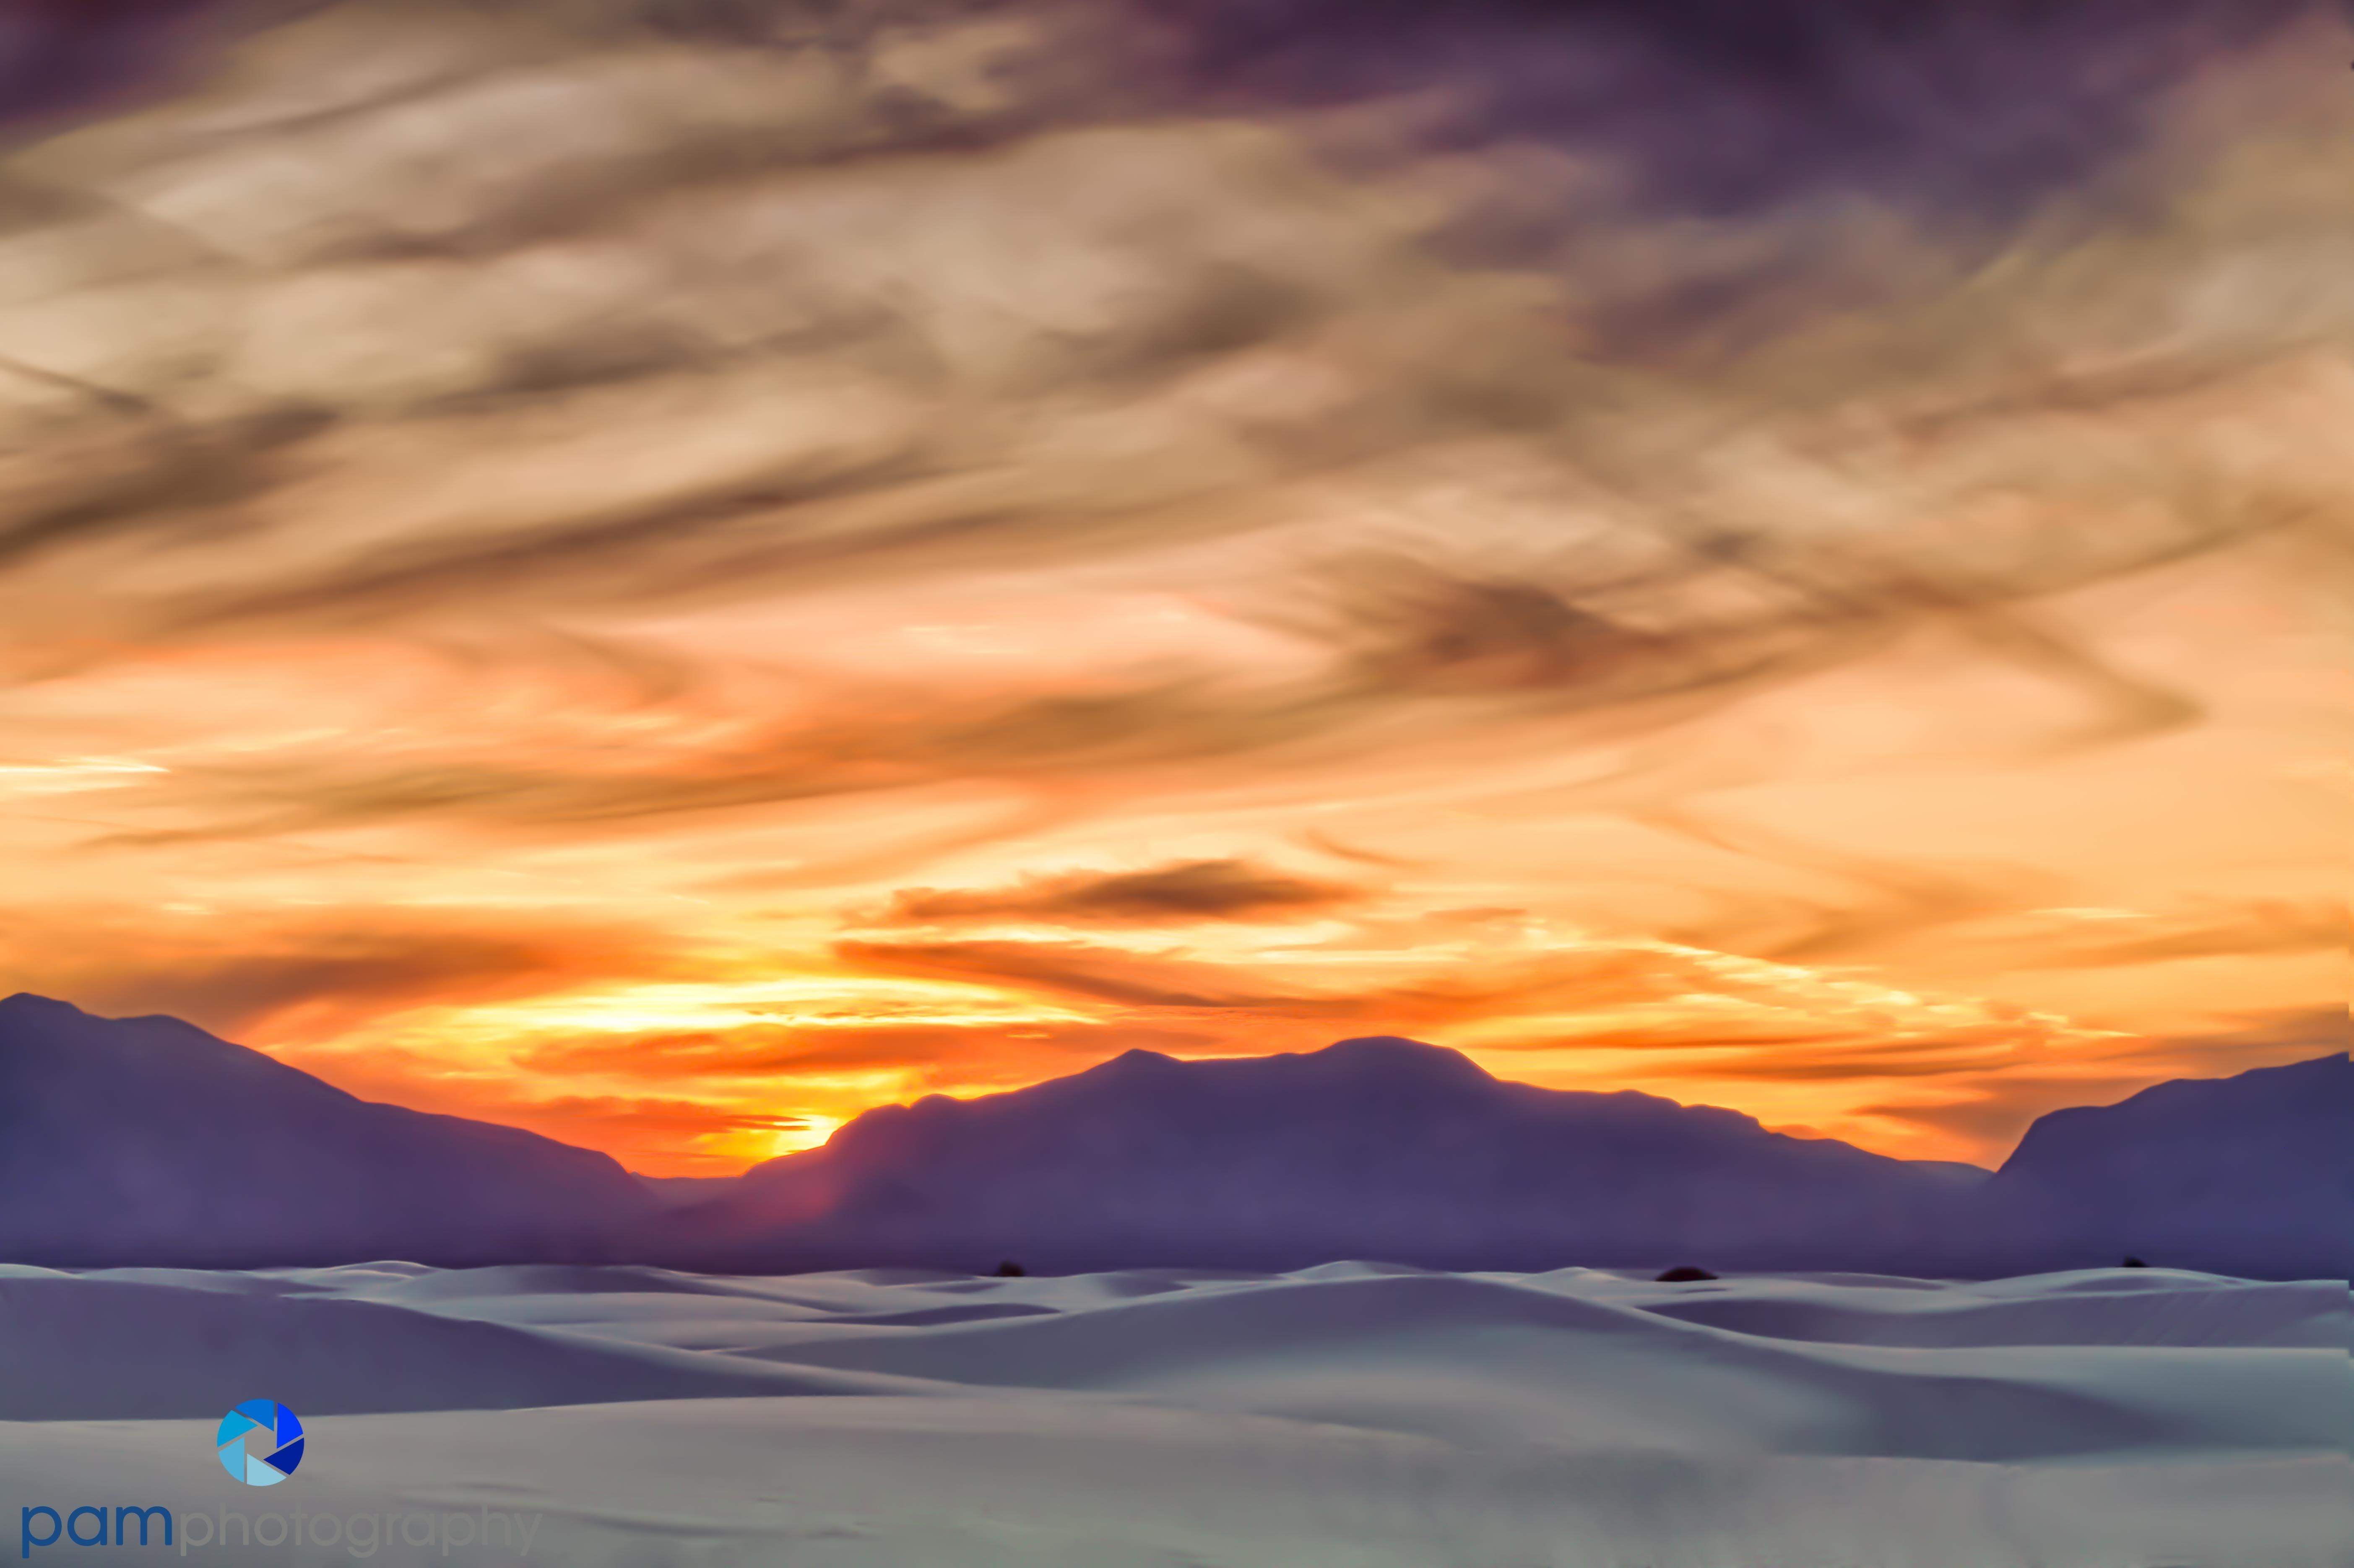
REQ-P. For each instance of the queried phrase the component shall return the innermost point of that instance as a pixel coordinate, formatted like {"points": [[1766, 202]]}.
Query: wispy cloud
{"points": [[565, 500], [274, 974], [1179, 893]]}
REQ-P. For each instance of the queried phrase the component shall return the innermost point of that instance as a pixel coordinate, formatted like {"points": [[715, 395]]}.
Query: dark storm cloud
{"points": [[64, 56], [919, 493], [1227, 889], [1726, 105], [1731, 105]]}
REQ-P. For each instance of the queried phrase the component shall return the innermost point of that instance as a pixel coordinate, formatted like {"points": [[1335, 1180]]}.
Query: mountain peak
{"points": [[1136, 1061], [1395, 1056], [2335, 1067], [2245, 1174], [149, 1141], [1365, 1059]]}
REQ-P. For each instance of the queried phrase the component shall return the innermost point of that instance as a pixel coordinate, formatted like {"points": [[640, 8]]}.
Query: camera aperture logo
{"points": [[260, 1443]]}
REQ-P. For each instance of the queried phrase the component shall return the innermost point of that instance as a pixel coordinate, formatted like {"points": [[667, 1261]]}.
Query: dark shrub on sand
{"points": [[1683, 1273]]}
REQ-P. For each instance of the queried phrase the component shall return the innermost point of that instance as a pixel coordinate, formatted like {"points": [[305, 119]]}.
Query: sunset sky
{"points": [[671, 573]]}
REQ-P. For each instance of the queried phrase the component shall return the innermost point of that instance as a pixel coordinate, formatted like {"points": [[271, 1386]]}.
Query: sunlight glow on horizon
{"points": [[952, 592]]}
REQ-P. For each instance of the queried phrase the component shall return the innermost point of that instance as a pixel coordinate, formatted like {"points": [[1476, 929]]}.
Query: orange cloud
{"points": [[1229, 889], [279, 975], [635, 634]]}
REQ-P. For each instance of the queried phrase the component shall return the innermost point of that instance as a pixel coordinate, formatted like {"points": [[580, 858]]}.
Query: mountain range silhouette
{"points": [[148, 1141]]}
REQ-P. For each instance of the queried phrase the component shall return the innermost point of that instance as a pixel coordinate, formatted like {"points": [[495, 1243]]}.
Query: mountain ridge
{"points": [[1374, 1146], [149, 1141]]}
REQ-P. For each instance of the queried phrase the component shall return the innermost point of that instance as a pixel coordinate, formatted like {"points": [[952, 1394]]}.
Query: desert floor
{"points": [[1355, 1413]]}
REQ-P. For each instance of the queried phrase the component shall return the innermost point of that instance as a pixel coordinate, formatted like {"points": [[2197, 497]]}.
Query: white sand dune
{"points": [[93, 1347], [2164, 1307], [1357, 1413]]}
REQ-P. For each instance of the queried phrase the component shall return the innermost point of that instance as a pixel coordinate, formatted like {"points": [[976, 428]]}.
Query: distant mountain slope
{"points": [[2250, 1175], [1372, 1148], [148, 1141]]}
